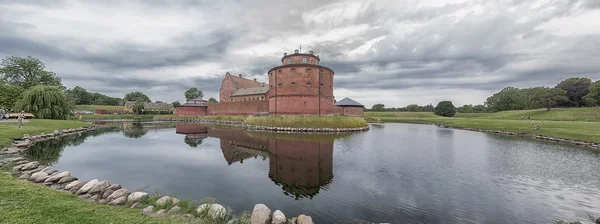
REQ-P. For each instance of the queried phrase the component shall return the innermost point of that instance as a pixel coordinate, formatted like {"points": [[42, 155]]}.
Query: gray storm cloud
{"points": [[413, 52]]}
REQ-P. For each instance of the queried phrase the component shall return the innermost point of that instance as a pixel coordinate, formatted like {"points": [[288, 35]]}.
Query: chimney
{"points": [[255, 79], [296, 51], [285, 54], [240, 75], [311, 52]]}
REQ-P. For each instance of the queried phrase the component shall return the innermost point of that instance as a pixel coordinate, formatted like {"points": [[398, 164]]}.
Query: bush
{"points": [[445, 109]]}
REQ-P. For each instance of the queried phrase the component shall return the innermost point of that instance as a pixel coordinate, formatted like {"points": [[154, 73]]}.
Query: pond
{"points": [[394, 173]]}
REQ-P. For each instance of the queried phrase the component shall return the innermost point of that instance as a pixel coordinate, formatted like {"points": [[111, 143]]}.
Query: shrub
{"points": [[445, 109]]}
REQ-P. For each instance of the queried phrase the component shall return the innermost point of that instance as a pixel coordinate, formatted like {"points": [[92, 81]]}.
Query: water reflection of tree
{"points": [[135, 131], [193, 142], [47, 152]]}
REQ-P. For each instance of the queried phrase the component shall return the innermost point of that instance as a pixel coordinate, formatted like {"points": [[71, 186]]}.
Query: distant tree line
{"points": [[571, 92]]}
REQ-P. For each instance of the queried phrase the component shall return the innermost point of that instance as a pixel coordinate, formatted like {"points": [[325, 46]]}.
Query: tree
{"points": [[45, 102], [212, 100], [547, 97], [445, 109], [428, 108], [509, 98], [136, 131], [80, 95], [413, 108], [576, 89], [138, 107], [9, 94], [466, 109], [378, 107], [593, 96], [27, 72], [479, 108], [136, 96], [176, 104], [193, 93]]}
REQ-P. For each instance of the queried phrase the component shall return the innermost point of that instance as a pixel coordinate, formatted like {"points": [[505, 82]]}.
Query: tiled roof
{"points": [[348, 102], [241, 82], [151, 105], [251, 91]]}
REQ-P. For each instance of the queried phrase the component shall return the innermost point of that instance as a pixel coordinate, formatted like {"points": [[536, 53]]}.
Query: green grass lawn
{"points": [[23, 202], [578, 123], [93, 108], [10, 130], [307, 122], [116, 116]]}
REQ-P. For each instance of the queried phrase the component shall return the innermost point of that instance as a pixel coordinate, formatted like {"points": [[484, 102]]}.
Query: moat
{"points": [[395, 173]]}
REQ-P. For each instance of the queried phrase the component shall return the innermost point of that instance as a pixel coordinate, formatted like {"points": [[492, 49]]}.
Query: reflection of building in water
{"points": [[302, 167], [194, 134]]}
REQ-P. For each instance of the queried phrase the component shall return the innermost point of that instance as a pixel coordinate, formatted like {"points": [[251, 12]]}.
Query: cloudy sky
{"points": [[394, 52]]}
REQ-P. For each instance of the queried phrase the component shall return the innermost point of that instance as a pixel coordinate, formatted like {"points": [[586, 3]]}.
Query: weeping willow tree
{"points": [[47, 102]]}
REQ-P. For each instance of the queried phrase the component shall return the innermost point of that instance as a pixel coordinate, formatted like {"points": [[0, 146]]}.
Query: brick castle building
{"points": [[299, 86]]}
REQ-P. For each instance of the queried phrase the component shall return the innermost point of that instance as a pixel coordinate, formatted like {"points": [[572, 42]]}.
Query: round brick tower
{"points": [[300, 86]]}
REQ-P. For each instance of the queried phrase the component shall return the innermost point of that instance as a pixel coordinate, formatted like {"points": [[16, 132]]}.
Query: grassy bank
{"points": [[575, 130], [307, 122], [116, 116], [218, 118], [10, 130], [98, 107], [557, 114], [23, 202]]}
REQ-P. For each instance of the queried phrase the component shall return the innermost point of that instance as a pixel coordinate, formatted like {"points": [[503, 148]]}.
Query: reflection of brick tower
{"points": [[301, 167], [300, 86]]}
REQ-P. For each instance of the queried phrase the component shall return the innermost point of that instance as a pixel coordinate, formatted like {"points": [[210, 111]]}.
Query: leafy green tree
{"points": [[80, 95], [9, 94], [136, 96], [413, 108], [378, 107], [509, 98], [27, 72], [212, 100], [547, 97], [466, 109], [45, 102], [193, 93], [479, 108], [445, 109], [593, 96], [428, 108], [138, 107], [576, 89], [176, 104]]}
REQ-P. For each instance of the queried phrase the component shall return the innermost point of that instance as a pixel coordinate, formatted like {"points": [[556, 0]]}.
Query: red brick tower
{"points": [[300, 86]]}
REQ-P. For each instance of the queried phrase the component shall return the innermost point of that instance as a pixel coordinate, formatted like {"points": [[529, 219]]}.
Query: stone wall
{"points": [[239, 108], [190, 111]]}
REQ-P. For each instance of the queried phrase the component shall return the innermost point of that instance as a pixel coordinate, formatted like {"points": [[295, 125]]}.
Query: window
{"points": [[279, 84], [293, 69], [308, 70], [321, 84], [303, 60], [317, 62], [279, 70], [289, 61], [244, 99], [271, 86], [293, 83], [308, 84]]}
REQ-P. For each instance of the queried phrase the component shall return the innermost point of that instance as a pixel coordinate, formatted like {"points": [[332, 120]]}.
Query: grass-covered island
{"points": [[291, 122]]}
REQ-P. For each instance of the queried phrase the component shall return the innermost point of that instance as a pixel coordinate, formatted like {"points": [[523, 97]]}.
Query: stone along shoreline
{"points": [[103, 192]]}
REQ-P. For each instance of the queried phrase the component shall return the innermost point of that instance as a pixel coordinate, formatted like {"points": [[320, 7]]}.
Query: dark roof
{"points": [[193, 105], [347, 102], [251, 91]]}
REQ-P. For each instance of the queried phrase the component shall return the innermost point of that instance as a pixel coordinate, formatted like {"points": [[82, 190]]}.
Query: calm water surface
{"points": [[395, 173]]}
